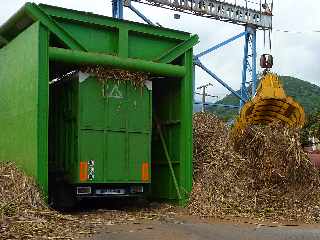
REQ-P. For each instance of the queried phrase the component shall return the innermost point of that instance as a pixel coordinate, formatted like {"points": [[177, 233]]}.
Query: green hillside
{"points": [[307, 94]]}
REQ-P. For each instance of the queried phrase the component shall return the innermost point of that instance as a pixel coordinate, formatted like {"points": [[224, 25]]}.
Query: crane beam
{"points": [[222, 11]]}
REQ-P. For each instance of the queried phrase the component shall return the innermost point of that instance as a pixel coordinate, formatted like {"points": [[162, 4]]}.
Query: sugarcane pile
{"points": [[261, 173], [105, 74], [25, 215]]}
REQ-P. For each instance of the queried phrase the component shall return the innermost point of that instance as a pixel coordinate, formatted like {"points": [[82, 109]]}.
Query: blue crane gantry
{"points": [[253, 19]]}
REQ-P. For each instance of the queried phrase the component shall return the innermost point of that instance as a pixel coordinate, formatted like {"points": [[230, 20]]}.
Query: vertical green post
{"points": [[43, 107], [123, 42], [186, 128]]}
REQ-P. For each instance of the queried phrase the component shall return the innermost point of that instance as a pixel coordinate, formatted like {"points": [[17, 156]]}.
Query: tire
{"points": [[63, 197]]}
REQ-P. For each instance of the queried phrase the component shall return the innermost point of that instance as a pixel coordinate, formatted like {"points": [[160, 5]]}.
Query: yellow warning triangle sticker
{"points": [[115, 92]]}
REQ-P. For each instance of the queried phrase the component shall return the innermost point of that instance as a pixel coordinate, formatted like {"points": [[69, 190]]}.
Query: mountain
{"points": [[307, 94]]}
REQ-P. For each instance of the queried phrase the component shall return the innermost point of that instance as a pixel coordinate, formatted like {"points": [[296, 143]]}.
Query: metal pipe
{"points": [[199, 64], [220, 44], [166, 152], [143, 17], [80, 57]]}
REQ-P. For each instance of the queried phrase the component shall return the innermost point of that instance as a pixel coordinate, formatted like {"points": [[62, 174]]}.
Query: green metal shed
{"points": [[40, 43]]}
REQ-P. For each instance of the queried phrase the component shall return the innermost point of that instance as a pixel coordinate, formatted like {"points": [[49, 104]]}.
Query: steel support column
{"points": [[117, 9], [243, 88], [254, 62], [249, 70]]}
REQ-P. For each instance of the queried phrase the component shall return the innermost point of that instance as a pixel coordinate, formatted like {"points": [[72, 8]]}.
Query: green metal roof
{"points": [[46, 14]]}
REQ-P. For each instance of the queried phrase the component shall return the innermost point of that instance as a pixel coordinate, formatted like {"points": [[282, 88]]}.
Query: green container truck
{"points": [[99, 133], [81, 136]]}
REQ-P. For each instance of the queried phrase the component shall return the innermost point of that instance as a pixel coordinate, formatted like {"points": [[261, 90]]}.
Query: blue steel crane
{"points": [[256, 17]]}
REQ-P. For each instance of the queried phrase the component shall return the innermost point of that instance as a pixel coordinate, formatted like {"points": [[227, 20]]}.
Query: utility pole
{"points": [[204, 95]]}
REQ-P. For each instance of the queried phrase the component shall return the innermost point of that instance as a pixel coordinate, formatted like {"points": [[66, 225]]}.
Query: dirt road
{"points": [[201, 230]]}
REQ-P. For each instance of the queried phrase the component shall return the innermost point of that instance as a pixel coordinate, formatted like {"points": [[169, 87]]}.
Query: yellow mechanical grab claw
{"points": [[269, 105]]}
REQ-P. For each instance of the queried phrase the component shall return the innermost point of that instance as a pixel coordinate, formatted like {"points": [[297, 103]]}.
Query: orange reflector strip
{"points": [[83, 171], [145, 172]]}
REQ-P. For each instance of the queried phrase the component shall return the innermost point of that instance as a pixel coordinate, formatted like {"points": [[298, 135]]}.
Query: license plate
{"points": [[113, 191]]}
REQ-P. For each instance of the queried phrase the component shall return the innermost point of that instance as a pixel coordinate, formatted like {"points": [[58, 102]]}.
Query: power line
{"points": [[296, 32]]}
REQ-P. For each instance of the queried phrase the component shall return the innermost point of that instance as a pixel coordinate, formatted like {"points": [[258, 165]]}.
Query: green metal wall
{"points": [[23, 104]]}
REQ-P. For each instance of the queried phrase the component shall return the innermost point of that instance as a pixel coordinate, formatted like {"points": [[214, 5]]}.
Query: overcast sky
{"points": [[295, 54]]}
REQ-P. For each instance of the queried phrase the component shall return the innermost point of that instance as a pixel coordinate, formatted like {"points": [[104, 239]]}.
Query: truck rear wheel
{"points": [[63, 197]]}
